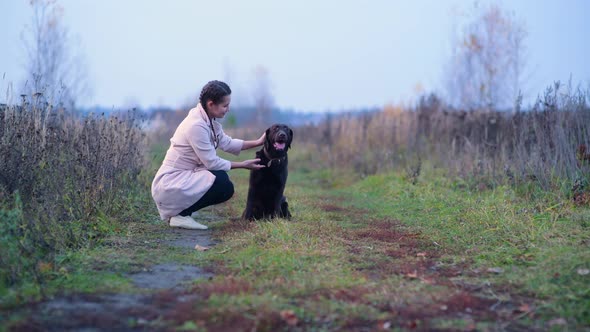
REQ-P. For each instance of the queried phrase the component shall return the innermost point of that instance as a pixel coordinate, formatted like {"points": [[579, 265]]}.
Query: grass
{"points": [[365, 254], [540, 244]]}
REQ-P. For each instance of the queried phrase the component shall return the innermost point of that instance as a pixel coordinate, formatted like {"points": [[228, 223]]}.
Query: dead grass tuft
{"points": [[228, 285], [543, 143]]}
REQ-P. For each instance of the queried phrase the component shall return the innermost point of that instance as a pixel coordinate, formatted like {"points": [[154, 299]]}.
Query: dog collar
{"points": [[270, 160]]}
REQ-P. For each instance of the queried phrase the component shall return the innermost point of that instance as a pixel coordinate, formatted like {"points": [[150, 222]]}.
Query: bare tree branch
{"points": [[486, 67], [53, 69]]}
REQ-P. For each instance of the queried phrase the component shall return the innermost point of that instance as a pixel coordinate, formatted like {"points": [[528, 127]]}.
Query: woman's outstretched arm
{"points": [[252, 144], [252, 164]]}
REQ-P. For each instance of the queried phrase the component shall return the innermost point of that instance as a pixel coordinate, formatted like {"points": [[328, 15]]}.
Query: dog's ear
{"points": [[290, 138], [267, 142]]}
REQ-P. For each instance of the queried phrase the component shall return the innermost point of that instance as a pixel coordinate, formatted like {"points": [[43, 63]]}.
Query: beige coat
{"points": [[183, 177]]}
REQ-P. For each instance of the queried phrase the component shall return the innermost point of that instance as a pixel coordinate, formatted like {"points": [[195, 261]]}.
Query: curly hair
{"points": [[214, 91]]}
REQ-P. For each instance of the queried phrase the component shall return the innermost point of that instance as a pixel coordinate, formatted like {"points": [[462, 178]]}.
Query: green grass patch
{"points": [[542, 244]]}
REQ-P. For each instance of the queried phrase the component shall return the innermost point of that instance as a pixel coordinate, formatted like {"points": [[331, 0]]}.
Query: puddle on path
{"points": [[104, 312], [168, 275], [185, 238], [172, 275], [126, 312]]}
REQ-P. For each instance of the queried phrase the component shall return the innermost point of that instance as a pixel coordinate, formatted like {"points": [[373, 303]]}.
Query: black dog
{"points": [[265, 195]]}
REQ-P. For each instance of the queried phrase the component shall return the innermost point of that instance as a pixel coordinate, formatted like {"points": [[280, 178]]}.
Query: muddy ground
{"points": [[163, 297], [158, 289]]}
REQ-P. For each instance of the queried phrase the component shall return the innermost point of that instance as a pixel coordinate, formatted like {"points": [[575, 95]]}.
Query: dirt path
{"points": [[436, 289], [432, 290], [157, 289]]}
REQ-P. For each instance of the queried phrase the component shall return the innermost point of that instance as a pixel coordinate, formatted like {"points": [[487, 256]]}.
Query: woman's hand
{"points": [[254, 143], [251, 164]]}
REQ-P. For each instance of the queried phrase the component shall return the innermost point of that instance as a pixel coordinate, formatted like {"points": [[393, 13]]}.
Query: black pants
{"points": [[221, 190]]}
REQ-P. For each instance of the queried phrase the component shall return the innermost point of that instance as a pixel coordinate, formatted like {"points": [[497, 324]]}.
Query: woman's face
{"points": [[219, 110]]}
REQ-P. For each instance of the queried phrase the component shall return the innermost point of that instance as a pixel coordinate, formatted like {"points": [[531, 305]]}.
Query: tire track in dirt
{"points": [[385, 247]]}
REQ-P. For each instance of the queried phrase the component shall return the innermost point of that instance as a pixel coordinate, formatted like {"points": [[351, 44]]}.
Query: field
{"points": [[385, 252], [431, 188]]}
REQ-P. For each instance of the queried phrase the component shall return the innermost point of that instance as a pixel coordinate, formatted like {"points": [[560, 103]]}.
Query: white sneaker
{"points": [[185, 222]]}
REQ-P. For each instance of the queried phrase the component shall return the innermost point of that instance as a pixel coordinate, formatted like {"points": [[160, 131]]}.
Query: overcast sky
{"points": [[320, 55]]}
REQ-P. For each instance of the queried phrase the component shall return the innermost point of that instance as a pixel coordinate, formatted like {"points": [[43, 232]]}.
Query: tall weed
{"points": [[487, 147], [58, 172]]}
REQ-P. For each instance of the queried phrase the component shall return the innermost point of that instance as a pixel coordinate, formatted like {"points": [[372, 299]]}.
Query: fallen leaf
{"points": [[583, 272], [383, 325], [289, 317], [557, 321], [428, 281], [412, 275], [524, 308], [201, 248], [495, 270], [421, 254], [44, 267]]}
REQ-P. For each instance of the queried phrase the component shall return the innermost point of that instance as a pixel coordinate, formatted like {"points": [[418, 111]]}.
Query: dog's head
{"points": [[278, 140]]}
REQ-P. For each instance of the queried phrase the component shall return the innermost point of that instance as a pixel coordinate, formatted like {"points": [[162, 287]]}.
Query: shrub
{"points": [[540, 145], [57, 172]]}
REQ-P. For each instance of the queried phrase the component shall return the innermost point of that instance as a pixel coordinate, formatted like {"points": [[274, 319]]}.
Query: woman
{"points": [[192, 176]]}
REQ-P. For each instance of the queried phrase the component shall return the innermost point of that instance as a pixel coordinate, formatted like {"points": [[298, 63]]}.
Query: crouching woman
{"points": [[192, 175]]}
